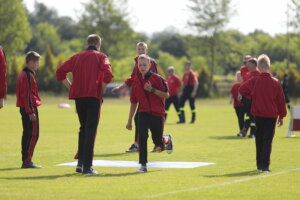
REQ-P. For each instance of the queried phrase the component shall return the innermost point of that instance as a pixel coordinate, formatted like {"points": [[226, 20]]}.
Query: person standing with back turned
{"points": [[91, 72]]}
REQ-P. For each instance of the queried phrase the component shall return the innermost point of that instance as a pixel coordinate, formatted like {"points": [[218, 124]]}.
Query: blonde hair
{"points": [[93, 39], [263, 61], [144, 56], [142, 44]]}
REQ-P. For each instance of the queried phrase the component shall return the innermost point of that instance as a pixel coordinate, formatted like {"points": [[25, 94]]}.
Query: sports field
{"points": [[211, 139]]}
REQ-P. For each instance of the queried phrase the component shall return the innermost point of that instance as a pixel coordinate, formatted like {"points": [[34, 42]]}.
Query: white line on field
{"points": [[220, 184]]}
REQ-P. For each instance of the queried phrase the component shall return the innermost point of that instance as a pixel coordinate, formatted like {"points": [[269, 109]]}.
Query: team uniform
{"points": [[238, 106], [244, 70], [151, 112], [174, 85], [284, 85], [28, 100], [267, 104], [249, 119], [3, 83], [129, 82], [189, 81], [90, 69]]}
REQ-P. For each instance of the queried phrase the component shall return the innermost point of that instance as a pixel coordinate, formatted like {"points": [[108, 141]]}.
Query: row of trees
{"points": [[212, 49]]}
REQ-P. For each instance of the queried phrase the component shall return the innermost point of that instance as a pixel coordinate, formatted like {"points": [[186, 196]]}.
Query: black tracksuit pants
{"points": [[30, 135], [156, 126], [175, 100], [249, 121], [88, 110], [240, 113], [265, 129], [186, 95]]}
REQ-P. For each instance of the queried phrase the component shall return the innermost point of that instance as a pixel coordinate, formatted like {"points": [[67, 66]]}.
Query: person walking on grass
{"points": [[28, 100], [3, 83], [91, 72]]}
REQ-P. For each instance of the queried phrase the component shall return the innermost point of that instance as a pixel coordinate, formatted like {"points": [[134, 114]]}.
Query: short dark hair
{"points": [[189, 63], [253, 61], [93, 39], [32, 55]]}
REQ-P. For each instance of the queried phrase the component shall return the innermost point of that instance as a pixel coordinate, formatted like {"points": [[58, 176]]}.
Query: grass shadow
{"points": [[9, 169], [246, 173], [110, 155], [230, 137], [50, 177]]}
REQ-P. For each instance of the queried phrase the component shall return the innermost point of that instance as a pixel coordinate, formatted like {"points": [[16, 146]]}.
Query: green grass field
{"points": [[211, 139]]}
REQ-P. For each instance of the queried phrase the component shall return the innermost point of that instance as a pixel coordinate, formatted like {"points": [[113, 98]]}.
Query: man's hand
{"points": [[280, 122], [239, 97], [129, 126], [148, 86], [193, 95], [32, 117], [1, 103]]}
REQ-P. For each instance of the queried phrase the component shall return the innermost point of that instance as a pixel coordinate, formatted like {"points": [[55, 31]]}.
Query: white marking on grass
{"points": [[154, 164], [221, 184]]}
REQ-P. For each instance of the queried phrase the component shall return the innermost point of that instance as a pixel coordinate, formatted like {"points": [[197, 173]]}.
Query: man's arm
{"points": [[67, 83], [195, 88], [148, 87]]}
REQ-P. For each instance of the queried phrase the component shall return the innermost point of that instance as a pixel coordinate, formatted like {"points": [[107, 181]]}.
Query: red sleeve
{"points": [[246, 88], [25, 93], [281, 107], [178, 81], [194, 77], [106, 69], [133, 98], [162, 85], [63, 69], [130, 80], [3, 84], [232, 89]]}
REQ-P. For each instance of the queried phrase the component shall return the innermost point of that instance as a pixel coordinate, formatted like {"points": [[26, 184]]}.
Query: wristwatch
{"points": [[153, 90]]}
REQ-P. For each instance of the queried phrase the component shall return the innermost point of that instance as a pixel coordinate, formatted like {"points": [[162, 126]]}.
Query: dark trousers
{"points": [[175, 100], [240, 113], [88, 110], [265, 129], [156, 126], [186, 95], [249, 119], [30, 135]]}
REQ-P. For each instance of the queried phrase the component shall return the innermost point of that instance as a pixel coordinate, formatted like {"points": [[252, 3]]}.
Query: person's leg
{"points": [[168, 102], [252, 127], [157, 128], [81, 112], [193, 109], [27, 131], [143, 126], [176, 105], [259, 122], [240, 116], [268, 134], [92, 119], [183, 98], [134, 147]]}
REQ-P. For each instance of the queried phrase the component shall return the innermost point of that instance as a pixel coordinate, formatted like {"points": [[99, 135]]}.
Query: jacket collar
{"points": [[26, 69], [149, 73], [92, 48]]}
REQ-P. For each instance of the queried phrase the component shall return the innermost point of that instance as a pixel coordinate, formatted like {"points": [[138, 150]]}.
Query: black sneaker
{"points": [[79, 167], [89, 171], [266, 170], [158, 149], [133, 148], [30, 165], [168, 143]]}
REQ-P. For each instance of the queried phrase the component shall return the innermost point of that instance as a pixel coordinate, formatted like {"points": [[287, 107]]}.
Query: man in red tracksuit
{"points": [[174, 85], [246, 100], [3, 84], [91, 72], [267, 105], [149, 90], [190, 83], [28, 100], [141, 48]]}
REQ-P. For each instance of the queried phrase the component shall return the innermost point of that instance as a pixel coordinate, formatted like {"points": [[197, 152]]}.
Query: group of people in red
{"points": [[91, 72], [259, 102]]}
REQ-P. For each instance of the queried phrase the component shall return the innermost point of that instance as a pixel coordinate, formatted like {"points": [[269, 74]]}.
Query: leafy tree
{"points": [[210, 17], [15, 32]]}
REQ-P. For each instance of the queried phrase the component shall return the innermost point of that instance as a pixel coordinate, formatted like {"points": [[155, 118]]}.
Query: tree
{"points": [[103, 17], [210, 17], [14, 26]]}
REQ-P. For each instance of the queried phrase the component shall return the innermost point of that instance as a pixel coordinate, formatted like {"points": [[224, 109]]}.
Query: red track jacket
{"points": [[3, 83], [27, 98], [266, 94], [90, 69], [244, 71], [174, 84], [149, 102], [234, 92], [135, 72], [189, 78]]}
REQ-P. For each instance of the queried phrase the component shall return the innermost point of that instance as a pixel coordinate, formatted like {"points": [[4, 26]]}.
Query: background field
{"points": [[211, 139]]}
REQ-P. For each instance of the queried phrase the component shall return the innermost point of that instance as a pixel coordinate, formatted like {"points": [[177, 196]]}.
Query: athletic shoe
{"points": [[133, 148], [79, 167], [168, 143], [30, 165], [142, 170], [266, 170], [158, 149], [251, 136], [244, 133], [239, 134], [89, 171], [259, 170]]}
